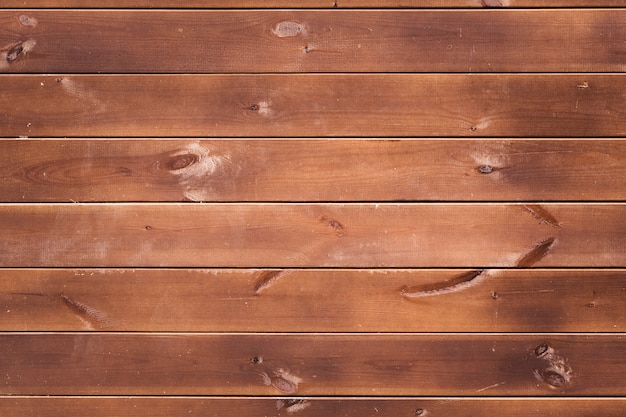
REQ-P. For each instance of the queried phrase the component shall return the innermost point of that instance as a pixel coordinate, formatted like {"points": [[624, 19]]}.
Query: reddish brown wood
{"points": [[124, 360], [352, 105], [77, 170], [313, 300], [313, 235], [192, 41], [322, 364], [310, 3], [307, 406]]}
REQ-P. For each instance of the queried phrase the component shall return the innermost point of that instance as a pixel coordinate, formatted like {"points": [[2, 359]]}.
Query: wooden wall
{"points": [[350, 208]]}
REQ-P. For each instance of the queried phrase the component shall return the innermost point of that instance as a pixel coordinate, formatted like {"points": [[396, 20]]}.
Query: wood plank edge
{"points": [[324, 397]]}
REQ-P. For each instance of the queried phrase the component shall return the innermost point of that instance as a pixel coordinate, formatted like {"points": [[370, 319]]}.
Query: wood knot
{"points": [[19, 49], [282, 380], [27, 20], [336, 226], [14, 52], [553, 377], [555, 372], [289, 29], [492, 3], [182, 161], [292, 405], [542, 350]]}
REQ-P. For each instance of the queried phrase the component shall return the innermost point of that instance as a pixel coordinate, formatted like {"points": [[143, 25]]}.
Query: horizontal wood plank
{"points": [[67, 170], [18, 406], [178, 41], [307, 3], [313, 235], [313, 300], [279, 105], [321, 364]]}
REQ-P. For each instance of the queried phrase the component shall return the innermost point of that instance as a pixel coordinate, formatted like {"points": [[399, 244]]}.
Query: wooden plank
{"points": [[18, 406], [308, 3], [74, 170], [305, 364], [192, 41], [313, 300], [313, 235], [529, 105]]}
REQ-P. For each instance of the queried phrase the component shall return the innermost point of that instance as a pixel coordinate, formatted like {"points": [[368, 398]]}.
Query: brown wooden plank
{"points": [[307, 3], [189, 41], [315, 235], [314, 300], [314, 105], [18, 406], [305, 364], [77, 170]]}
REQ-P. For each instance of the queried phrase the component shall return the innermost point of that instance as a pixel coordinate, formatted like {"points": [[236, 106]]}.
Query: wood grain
{"points": [[192, 41], [279, 105], [74, 170], [313, 300], [308, 3], [322, 364], [223, 207], [17, 406], [313, 235]]}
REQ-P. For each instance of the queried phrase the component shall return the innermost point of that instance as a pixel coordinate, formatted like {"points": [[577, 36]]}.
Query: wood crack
{"points": [[537, 253], [454, 284], [91, 317], [541, 214], [269, 278]]}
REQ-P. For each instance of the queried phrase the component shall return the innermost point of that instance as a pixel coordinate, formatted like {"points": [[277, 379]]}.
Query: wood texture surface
{"points": [[271, 208], [313, 41], [17, 406], [293, 300], [314, 105], [308, 3], [75, 170], [321, 364], [301, 235]]}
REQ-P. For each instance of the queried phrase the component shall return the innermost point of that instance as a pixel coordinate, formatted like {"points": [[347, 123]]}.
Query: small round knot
{"points": [[485, 169], [542, 350]]}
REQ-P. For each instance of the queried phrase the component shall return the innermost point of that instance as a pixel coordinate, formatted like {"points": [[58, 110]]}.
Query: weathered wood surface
{"points": [[305, 364], [312, 41], [19, 406], [308, 3], [67, 170], [293, 300], [313, 235], [279, 105], [297, 289]]}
